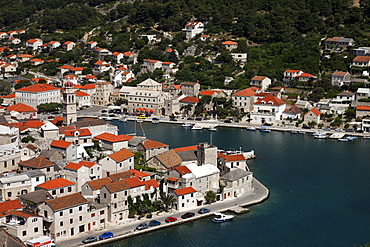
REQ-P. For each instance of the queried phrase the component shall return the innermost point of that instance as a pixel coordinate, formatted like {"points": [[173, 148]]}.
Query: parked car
{"points": [[170, 219], [142, 226], [51, 117], [359, 131], [103, 111], [306, 127], [187, 215], [141, 117], [227, 121], [154, 223], [89, 240], [106, 235], [350, 130], [190, 118], [203, 210], [327, 128], [173, 119], [338, 130], [198, 119]]}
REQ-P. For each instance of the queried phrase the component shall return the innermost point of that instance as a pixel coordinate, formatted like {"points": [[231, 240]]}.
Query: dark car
{"points": [[198, 119], [203, 210], [306, 127], [142, 226], [227, 121], [350, 130], [103, 111], [173, 119], [89, 240], [170, 219], [51, 117], [187, 215], [359, 131], [154, 223], [106, 235], [190, 118]]}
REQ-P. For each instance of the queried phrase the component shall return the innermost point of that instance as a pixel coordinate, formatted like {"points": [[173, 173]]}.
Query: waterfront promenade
{"points": [[258, 194]]}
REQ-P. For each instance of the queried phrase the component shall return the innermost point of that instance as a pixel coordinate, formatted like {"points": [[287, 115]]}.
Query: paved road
{"points": [[120, 231]]}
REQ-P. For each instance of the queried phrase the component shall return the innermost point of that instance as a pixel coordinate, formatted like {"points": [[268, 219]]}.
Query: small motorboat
{"points": [[139, 120], [264, 129], [155, 120], [320, 135], [351, 138], [293, 132], [250, 128], [221, 217], [108, 119], [343, 140], [186, 125], [213, 129], [196, 128], [301, 132]]}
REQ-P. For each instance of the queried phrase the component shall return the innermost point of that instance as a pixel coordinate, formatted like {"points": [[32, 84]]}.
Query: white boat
{"points": [[213, 129], [221, 217], [351, 138], [301, 132], [155, 120], [320, 135], [186, 125], [343, 140], [293, 132], [196, 128], [139, 120], [123, 119], [108, 119], [250, 128]]}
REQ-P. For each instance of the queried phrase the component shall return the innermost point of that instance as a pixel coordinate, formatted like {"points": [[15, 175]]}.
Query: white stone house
{"points": [[193, 28], [100, 67], [149, 65], [103, 90], [33, 44], [267, 110], [113, 142], [119, 161], [82, 172], [236, 183], [68, 45], [230, 45], [340, 78], [186, 199], [244, 100], [227, 163], [70, 215], [68, 149], [23, 225], [239, 57], [81, 137], [37, 94], [37, 177], [150, 148], [342, 101], [13, 185], [290, 74], [312, 115], [292, 113], [40, 163], [262, 82], [361, 61], [58, 187], [10, 155]]}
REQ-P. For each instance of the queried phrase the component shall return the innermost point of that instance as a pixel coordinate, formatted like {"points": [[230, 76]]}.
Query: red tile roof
{"points": [[269, 98], [81, 132], [150, 144], [60, 144], [306, 75], [12, 95], [172, 179], [316, 112], [121, 155], [258, 78], [292, 70], [362, 59], [232, 157], [184, 149], [38, 162], [245, 92], [150, 183], [23, 214], [340, 73], [190, 100], [10, 205], [229, 43], [184, 191], [57, 119], [72, 200], [182, 170], [209, 92], [38, 88], [112, 138], [363, 108], [76, 166], [55, 184], [66, 66], [20, 107], [99, 183], [88, 86]]}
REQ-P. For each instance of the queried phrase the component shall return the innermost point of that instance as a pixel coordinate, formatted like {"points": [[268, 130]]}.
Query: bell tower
{"points": [[69, 104]]}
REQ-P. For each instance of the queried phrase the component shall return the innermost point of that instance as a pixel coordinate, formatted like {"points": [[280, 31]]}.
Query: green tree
{"points": [[167, 200], [5, 88], [49, 107], [28, 139], [210, 197], [22, 84]]}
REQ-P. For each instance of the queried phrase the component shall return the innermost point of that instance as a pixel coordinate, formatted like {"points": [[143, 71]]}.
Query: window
{"points": [[61, 213], [34, 220], [115, 196], [71, 210], [9, 194], [115, 205], [61, 191], [101, 212], [69, 189], [48, 169], [54, 192], [24, 233], [71, 221], [102, 221], [80, 208], [36, 229], [92, 215], [80, 218], [37, 179], [61, 223]]}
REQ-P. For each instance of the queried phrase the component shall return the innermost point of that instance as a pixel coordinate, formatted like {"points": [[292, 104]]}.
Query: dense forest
{"points": [[277, 34]]}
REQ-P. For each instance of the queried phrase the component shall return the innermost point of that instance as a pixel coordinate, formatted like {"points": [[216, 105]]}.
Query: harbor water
{"points": [[319, 190]]}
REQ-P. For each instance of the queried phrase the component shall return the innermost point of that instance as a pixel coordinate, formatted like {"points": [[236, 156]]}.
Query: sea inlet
{"points": [[319, 191]]}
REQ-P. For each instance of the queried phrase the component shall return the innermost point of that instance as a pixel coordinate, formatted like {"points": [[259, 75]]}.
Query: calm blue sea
{"points": [[319, 191]]}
